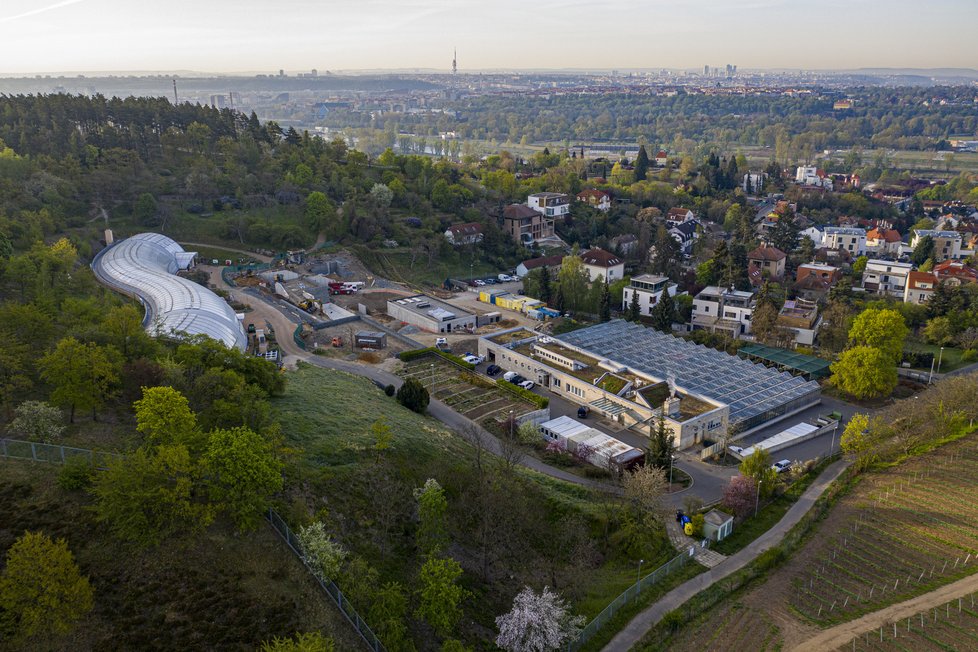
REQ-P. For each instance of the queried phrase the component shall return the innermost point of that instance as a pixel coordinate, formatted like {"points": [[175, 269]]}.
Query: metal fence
{"points": [[297, 336], [15, 449], [328, 586], [631, 593]]}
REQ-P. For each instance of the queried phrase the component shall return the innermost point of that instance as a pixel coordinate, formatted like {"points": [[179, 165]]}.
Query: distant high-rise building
{"points": [[729, 70], [706, 71], [314, 73], [281, 73], [455, 61], [735, 69]]}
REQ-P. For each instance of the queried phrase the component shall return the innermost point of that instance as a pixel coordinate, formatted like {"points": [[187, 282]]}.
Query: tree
{"points": [[740, 496], [661, 445], [643, 488], [124, 326], [382, 433], [302, 642], [604, 307], [318, 211], [413, 395], [939, 331], [145, 211], [440, 597], [634, 309], [864, 372], [83, 375], [784, 233], [37, 421], [146, 497], [857, 440], [923, 250], [663, 313], [880, 328], [757, 467], [324, 556], [573, 280], [641, 164], [163, 414], [387, 616], [41, 588], [537, 623], [859, 266], [431, 535], [666, 253], [244, 473]]}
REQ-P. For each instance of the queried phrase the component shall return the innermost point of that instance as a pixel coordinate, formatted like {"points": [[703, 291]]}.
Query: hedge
{"points": [[524, 394]]}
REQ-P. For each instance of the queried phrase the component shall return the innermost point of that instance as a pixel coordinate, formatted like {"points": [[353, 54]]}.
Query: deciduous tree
{"points": [[324, 556], [880, 328], [244, 472], [440, 597], [83, 375], [163, 414], [864, 372], [37, 421], [537, 623], [431, 535], [757, 467], [740, 496]]}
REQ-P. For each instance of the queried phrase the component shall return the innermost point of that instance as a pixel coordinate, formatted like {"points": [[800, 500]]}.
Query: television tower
{"points": [[454, 62], [175, 100]]}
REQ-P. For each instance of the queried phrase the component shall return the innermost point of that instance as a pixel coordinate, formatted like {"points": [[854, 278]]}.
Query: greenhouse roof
{"points": [[805, 364], [749, 389], [145, 266]]}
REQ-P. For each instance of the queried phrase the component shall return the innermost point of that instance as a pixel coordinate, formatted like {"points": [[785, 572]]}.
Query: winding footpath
{"points": [[640, 625]]}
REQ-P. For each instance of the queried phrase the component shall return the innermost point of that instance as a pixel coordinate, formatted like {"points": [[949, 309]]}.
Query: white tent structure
{"points": [[144, 266]]}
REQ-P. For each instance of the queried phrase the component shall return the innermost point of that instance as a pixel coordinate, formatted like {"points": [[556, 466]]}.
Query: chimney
{"points": [[671, 407]]}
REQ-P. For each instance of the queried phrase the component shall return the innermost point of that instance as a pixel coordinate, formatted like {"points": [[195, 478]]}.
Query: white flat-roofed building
{"points": [[716, 308], [649, 288], [144, 266], [886, 277], [947, 244], [847, 238], [432, 315]]}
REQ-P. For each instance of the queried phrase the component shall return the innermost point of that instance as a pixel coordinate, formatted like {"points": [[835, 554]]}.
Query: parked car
{"points": [[251, 328], [781, 466], [479, 359], [583, 411], [506, 278], [517, 379], [479, 282], [509, 376], [527, 385], [490, 281], [492, 370]]}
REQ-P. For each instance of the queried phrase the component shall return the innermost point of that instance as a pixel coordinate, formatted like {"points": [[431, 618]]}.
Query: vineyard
{"points": [[952, 626], [899, 533]]}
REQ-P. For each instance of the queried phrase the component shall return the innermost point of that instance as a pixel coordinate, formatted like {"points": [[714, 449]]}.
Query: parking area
{"points": [[472, 394]]}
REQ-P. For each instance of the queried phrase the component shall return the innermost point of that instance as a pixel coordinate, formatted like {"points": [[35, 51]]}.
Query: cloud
{"points": [[39, 10]]}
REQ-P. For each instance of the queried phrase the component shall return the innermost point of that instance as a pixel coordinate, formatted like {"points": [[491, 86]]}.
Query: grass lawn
{"points": [[950, 359], [395, 264], [215, 590]]}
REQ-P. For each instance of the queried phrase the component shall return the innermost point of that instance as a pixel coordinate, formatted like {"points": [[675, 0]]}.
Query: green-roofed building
{"points": [[809, 366]]}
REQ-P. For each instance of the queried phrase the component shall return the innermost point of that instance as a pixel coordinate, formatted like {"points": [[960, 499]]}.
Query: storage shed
{"points": [[717, 525], [370, 340]]}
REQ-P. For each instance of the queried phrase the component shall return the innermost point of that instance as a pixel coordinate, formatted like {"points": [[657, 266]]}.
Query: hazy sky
{"points": [[262, 35]]}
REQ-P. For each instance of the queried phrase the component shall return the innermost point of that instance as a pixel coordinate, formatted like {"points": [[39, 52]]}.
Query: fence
{"points": [[15, 449], [631, 593], [328, 586], [297, 336]]}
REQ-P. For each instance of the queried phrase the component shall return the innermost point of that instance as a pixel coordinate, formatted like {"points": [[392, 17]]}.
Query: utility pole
{"points": [[176, 100]]}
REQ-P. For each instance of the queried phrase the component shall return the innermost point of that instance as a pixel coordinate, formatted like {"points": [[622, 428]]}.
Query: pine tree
{"points": [[545, 290], [661, 444], [604, 308], [663, 313], [641, 164], [634, 310], [559, 300]]}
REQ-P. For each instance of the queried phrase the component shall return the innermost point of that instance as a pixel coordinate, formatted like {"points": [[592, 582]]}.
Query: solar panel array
{"points": [[751, 390], [145, 266]]}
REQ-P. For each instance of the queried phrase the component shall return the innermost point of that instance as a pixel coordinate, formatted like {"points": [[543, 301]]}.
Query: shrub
{"points": [[673, 620], [407, 356], [324, 556], [970, 355], [413, 396], [390, 390], [526, 395], [698, 520], [76, 474]]}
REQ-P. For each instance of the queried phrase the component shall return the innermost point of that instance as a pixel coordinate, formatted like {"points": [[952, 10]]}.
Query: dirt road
{"points": [[839, 635]]}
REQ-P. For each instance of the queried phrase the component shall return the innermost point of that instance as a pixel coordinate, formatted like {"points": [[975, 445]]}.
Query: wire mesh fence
{"points": [[333, 591], [631, 593], [16, 449]]}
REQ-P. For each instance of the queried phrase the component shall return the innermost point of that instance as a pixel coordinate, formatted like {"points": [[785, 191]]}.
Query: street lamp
{"points": [[432, 378], [672, 458], [832, 445], [640, 562], [511, 424], [757, 497], [940, 358]]}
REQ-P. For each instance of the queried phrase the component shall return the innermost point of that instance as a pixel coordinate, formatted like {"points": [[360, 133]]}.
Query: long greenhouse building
{"points": [[144, 266]]}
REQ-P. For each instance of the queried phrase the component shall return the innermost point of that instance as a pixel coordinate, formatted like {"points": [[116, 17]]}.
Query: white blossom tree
{"points": [[323, 555], [537, 623], [37, 421]]}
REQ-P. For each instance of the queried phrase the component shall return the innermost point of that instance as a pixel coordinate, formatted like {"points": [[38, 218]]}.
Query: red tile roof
{"points": [[886, 235], [545, 261], [592, 192], [916, 278], [767, 252], [600, 258], [469, 228], [956, 269]]}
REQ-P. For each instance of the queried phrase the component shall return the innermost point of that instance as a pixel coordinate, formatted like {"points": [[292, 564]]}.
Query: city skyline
{"points": [[246, 36]]}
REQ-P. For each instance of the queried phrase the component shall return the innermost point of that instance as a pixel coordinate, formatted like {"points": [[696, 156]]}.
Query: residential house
{"points": [[770, 260], [551, 204], [721, 309], [624, 244], [814, 232], [813, 280], [685, 235], [464, 234], [812, 176], [677, 216], [886, 277], [526, 225], [596, 199], [649, 289], [947, 244], [848, 239], [661, 159], [883, 241], [598, 262], [801, 317], [920, 285], [546, 262], [956, 272]]}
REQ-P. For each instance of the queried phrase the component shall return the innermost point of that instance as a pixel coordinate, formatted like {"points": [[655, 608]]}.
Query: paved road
{"points": [[637, 628]]}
